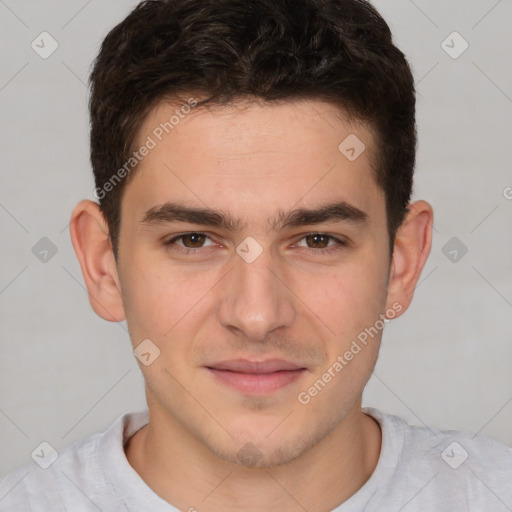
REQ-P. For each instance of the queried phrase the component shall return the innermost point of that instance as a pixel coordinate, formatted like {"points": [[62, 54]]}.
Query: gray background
{"points": [[66, 373]]}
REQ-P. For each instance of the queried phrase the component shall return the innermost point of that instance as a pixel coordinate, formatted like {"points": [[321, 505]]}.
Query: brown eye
{"points": [[318, 241], [190, 242], [196, 240]]}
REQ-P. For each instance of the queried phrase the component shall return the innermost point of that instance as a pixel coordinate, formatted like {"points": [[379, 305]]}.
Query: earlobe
{"points": [[90, 239], [412, 247]]}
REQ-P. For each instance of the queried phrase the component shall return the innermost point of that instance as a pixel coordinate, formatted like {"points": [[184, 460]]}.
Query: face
{"points": [[255, 310]]}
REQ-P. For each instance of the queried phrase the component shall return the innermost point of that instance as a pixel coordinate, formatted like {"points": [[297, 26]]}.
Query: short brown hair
{"points": [[340, 51]]}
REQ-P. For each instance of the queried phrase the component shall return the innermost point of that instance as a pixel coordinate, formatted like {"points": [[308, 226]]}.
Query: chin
{"points": [[264, 448], [251, 455]]}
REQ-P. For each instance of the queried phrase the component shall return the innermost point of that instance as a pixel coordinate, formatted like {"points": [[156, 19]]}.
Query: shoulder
{"points": [[472, 467], [40, 487], [72, 478]]}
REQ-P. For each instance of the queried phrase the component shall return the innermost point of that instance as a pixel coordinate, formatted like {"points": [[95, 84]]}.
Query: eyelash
{"points": [[340, 244]]}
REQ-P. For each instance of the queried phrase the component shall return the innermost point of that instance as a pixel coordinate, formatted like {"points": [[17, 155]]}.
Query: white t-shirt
{"points": [[419, 470]]}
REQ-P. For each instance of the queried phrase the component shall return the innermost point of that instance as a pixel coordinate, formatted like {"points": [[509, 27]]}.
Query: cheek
{"points": [[149, 298], [351, 307], [159, 299], [346, 299]]}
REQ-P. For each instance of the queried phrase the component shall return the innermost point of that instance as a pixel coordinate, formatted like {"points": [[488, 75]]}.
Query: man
{"points": [[253, 165]]}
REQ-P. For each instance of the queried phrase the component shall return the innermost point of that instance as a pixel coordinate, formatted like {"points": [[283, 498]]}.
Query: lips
{"points": [[256, 377], [245, 366]]}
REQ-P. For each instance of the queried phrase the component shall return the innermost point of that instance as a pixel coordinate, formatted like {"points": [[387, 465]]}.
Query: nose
{"points": [[255, 298]]}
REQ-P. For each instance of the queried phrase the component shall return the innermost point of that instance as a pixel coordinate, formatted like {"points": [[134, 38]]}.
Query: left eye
{"points": [[193, 242], [320, 238]]}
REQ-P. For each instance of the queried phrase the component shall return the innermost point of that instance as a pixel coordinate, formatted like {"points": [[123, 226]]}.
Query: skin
{"points": [[295, 302]]}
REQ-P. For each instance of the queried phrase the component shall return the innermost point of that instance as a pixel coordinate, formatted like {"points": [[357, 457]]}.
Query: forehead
{"points": [[253, 154], [246, 121]]}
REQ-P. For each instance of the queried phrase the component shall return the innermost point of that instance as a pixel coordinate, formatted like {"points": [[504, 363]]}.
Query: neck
{"points": [[184, 472]]}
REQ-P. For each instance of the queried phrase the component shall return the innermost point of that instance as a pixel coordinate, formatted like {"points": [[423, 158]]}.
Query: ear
{"points": [[412, 246], [90, 238]]}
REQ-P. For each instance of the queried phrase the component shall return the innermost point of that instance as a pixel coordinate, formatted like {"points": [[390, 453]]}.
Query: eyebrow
{"points": [[340, 211]]}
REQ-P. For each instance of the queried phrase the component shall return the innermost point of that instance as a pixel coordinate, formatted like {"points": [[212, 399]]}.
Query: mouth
{"points": [[256, 377]]}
